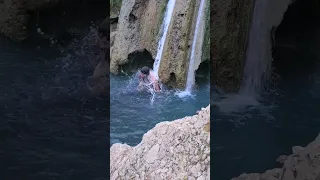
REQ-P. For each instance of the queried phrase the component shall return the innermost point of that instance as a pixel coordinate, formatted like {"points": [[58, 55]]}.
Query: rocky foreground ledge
{"points": [[303, 164], [171, 150]]}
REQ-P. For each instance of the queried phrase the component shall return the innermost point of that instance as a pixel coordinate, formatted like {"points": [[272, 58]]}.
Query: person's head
{"points": [[145, 71]]}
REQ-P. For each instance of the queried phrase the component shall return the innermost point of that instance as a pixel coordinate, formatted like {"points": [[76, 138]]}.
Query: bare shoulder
{"points": [[153, 77]]}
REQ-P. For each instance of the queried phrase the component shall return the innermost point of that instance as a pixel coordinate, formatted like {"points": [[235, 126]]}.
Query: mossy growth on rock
{"points": [[175, 59], [115, 7], [156, 33]]}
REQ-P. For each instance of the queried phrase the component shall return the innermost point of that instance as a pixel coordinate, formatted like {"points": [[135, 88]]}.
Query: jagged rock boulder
{"points": [[303, 164], [171, 150]]}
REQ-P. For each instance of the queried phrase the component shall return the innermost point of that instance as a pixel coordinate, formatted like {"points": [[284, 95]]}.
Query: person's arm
{"points": [[140, 87], [156, 86]]}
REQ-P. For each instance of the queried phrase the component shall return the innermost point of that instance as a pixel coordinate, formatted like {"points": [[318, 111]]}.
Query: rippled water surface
{"points": [[51, 127], [133, 114]]}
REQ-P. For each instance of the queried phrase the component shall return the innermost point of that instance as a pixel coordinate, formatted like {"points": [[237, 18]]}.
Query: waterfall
{"points": [[164, 30], [196, 47], [258, 53]]}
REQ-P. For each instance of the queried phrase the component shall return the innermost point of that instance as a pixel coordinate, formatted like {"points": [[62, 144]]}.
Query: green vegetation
{"points": [[155, 31], [115, 6], [162, 11]]}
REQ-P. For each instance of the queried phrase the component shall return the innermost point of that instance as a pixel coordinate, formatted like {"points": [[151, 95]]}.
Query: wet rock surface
{"points": [[171, 150], [229, 28]]}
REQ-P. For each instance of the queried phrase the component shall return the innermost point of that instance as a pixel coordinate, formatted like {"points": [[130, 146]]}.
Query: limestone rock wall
{"points": [[206, 40], [302, 164], [138, 26], [171, 150], [138, 29], [230, 29], [230, 20], [14, 16], [175, 61]]}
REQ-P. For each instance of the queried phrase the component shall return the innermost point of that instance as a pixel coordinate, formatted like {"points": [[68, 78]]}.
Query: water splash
{"points": [[132, 84], [164, 30], [149, 87]]}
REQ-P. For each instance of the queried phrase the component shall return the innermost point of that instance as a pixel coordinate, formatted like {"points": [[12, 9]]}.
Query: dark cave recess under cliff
{"points": [[56, 20], [137, 60], [297, 39]]}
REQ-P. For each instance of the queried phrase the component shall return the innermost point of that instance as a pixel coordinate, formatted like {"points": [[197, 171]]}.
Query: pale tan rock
{"points": [[165, 152]]}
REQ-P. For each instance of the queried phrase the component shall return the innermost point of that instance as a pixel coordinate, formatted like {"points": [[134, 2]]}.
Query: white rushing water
{"points": [[258, 53], [191, 71], [196, 49], [256, 64], [164, 30]]}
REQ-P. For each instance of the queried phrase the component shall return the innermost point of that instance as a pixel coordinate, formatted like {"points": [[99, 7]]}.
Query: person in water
{"points": [[147, 77]]}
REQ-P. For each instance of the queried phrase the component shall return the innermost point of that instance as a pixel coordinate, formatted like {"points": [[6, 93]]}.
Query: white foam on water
{"points": [[236, 103], [183, 94]]}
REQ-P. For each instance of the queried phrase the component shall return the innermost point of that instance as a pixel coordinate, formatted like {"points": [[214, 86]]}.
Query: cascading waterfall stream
{"points": [[164, 30], [257, 63], [191, 71], [258, 58]]}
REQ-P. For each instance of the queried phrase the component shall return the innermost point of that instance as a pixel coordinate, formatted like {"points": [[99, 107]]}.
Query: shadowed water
{"points": [[51, 127], [250, 132], [133, 113]]}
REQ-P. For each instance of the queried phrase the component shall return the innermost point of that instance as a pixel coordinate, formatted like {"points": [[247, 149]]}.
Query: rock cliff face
{"points": [[138, 30], [14, 16], [230, 26], [303, 164], [229, 29], [172, 150], [138, 25]]}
